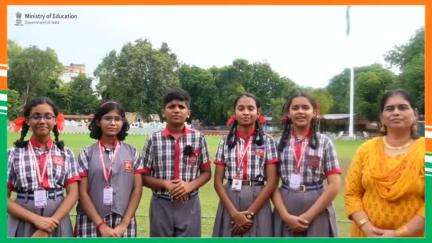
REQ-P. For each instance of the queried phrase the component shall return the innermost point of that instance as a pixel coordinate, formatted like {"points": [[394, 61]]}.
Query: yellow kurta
{"points": [[389, 190]]}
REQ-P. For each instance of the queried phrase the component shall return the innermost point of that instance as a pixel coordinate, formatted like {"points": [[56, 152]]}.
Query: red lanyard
{"points": [[298, 159], [240, 156], [40, 175], [106, 173]]}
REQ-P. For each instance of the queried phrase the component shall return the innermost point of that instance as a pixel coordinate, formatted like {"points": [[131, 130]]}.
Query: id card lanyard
{"points": [[40, 195], [108, 190], [295, 177], [241, 153]]}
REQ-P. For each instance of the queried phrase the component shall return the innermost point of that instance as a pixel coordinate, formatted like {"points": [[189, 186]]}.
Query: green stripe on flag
{"points": [[428, 160], [3, 103]]}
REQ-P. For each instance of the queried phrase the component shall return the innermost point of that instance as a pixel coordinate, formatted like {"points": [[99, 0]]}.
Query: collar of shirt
{"points": [[36, 144], [166, 132], [245, 135], [112, 145], [299, 140]]}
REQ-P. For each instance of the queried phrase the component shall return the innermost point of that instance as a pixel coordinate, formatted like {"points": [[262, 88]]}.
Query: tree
{"points": [[201, 86], [15, 104], [370, 83], [33, 72], [80, 96], [409, 58], [138, 76]]}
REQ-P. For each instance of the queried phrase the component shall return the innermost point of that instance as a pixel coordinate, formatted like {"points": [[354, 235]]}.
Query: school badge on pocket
{"points": [[127, 165], [58, 160], [313, 161], [259, 152], [193, 157]]}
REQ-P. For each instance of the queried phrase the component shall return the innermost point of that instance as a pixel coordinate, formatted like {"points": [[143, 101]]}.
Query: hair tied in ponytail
{"points": [[17, 124], [60, 121], [231, 120], [262, 120]]}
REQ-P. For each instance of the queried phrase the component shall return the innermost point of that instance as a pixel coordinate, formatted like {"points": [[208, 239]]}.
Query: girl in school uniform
{"points": [[247, 159], [111, 186], [38, 172], [303, 207]]}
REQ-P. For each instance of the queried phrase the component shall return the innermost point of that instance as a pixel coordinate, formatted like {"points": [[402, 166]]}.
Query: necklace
{"points": [[388, 146]]}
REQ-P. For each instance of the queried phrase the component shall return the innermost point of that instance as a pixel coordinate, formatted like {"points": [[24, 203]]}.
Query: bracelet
{"points": [[100, 224], [362, 221], [402, 231], [249, 215]]}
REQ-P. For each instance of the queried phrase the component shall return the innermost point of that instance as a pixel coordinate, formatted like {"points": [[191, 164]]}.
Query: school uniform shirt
{"points": [[164, 156], [315, 165], [125, 165], [254, 161], [62, 168]]}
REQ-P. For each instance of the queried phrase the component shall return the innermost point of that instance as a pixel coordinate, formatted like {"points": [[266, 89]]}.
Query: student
{"points": [[247, 159], [177, 165], [38, 171], [111, 185], [302, 206]]}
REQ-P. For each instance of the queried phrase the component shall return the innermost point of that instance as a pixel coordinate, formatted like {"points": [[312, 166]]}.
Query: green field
{"points": [[208, 197]]}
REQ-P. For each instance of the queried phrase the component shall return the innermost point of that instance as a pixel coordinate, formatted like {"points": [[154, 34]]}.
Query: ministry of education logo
{"points": [[18, 21]]}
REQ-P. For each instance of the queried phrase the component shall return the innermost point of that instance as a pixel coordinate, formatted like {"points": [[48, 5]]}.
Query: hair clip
{"points": [[109, 101]]}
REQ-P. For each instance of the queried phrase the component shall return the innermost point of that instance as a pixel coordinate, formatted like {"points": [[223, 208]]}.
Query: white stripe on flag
{"points": [[428, 127], [4, 108], [428, 134], [3, 73], [428, 158], [3, 97], [428, 169]]}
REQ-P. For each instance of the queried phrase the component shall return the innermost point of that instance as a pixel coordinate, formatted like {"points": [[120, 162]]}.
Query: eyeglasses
{"points": [[39, 117], [112, 118]]}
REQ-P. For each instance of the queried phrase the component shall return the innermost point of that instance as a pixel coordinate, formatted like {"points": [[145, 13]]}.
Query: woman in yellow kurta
{"points": [[384, 194]]}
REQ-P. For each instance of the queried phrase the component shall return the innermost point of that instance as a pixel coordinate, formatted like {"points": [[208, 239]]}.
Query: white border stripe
{"points": [[428, 126], [428, 158], [3, 97], [3, 73], [428, 169], [428, 134], [4, 108]]}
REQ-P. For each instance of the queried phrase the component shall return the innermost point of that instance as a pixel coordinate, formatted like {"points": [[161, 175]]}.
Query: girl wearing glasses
{"points": [[111, 185], [38, 171]]}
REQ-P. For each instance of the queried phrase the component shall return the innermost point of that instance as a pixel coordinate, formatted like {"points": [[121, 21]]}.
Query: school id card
{"points": [[294, 181], [236, 185], [108, 196], [40, 198]]}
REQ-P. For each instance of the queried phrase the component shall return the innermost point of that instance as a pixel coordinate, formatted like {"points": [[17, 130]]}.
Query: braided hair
{"points": [[258, 138], [286, 134], [21, 143]]}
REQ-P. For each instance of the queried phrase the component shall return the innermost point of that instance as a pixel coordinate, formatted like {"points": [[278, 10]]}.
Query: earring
{"points": [[383, 129], [414, 128]]}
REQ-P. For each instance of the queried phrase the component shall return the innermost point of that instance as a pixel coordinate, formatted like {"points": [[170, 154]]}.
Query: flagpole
{"points": [[351, 105]]}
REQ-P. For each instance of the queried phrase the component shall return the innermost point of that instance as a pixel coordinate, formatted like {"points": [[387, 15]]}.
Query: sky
{"points": [[307, 44]]}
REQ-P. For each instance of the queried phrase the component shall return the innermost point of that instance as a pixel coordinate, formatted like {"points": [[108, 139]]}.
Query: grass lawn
{"points": [[208, 197]]}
